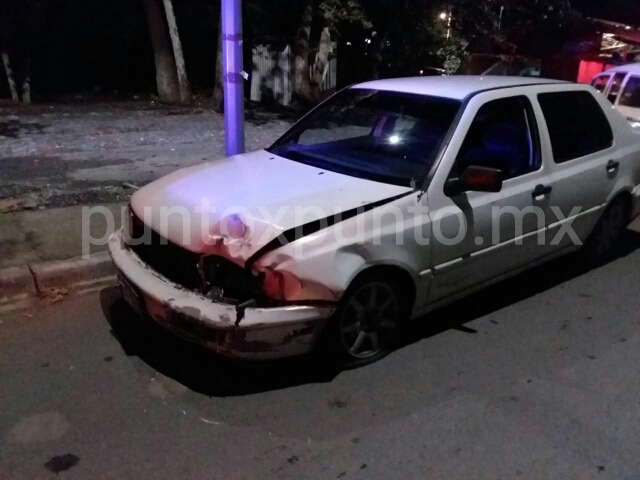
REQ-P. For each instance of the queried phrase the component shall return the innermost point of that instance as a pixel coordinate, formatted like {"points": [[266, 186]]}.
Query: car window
{"points": [[577, 125], [390, 137], [503, 135], [631, 94], [600, 83], [616, 83]]}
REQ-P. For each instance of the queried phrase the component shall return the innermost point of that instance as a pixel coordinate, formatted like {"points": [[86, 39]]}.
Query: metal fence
{"points": [[272, 75]]}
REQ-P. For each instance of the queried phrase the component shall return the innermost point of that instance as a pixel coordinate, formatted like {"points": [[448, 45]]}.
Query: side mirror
{"points": [[475, 179]]}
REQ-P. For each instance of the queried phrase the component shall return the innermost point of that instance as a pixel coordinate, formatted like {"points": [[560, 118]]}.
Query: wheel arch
{"points": [[625, 196], [399, 278]]}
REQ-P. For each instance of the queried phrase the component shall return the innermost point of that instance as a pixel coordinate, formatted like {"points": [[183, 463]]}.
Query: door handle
{"points": [[612, 165], [541, 190]]}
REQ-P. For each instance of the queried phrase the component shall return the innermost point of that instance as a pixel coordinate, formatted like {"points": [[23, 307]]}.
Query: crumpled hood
{"points": [[201, 207]]}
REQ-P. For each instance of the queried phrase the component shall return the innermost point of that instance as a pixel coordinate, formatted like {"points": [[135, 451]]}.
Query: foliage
{"points": [[80, 44], [411, 34], [452, 54], [526, 27], [533, 28], [477, 21], [406, 34], [335, 12]]}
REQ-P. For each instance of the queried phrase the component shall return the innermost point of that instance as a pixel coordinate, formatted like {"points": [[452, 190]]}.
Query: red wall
{"points": [[589, 69]]}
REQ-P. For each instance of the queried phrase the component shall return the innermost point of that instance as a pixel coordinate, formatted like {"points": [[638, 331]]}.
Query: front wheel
{"points": [[366, 324]]}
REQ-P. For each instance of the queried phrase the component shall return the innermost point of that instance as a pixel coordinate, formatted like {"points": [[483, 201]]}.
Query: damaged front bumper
{"points": [[230, 330]]}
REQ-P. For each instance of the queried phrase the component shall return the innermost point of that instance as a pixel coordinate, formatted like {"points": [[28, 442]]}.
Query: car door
{"points": [[481, 235], [629, 102], [585, 162]]}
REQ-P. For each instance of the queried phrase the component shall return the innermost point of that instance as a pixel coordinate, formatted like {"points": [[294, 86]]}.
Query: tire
{"points": [[367, 324], [605, 239]]}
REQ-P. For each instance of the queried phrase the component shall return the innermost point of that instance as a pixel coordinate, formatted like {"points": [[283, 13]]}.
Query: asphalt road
{"points": [[535, 378]]}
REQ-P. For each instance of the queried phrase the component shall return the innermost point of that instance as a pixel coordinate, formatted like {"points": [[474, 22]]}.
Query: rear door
{"points": [[585, 161]]}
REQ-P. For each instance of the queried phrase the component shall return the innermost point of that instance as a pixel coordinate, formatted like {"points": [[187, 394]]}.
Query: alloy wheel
{"points": [[369, 319]]}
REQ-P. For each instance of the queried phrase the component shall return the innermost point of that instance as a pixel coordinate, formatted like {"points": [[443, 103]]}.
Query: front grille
{"points": [[225, 279], [168, 259]]}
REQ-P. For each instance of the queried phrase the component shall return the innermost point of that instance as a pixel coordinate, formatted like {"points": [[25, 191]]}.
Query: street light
{"points": [[447, 16]]}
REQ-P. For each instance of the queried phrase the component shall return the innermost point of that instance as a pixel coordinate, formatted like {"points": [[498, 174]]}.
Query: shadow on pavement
{"points": [[204, 372], [506, 293], [197, 368]]}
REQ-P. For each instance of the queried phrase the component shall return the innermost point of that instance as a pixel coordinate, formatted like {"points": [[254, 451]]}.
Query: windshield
{"points": [[384, 136]]}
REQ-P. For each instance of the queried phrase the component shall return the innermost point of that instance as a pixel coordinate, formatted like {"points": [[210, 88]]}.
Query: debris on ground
{"points": [[61, 463], [53, 295]]}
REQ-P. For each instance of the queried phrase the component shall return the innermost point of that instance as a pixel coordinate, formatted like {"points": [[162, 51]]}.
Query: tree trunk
{"points": [[10, 78], [166, 76], [185, 89], [218, 88], [301, 83], [26, 82], [322, 63]]}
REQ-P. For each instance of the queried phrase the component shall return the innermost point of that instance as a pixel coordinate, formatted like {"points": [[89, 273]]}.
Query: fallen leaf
{"points": [[53, 295], [10, 205]]}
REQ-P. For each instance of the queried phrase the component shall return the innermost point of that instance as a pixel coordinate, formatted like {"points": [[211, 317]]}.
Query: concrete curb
{"points": [[21, 287], [17, 287]]}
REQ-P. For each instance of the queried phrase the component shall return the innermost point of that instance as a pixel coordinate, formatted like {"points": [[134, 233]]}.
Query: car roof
{"points": [[630, 67], [455, 87]]}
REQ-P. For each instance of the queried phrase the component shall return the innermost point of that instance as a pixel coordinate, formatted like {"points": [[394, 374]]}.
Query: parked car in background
{"points": [[389, 200], [621, 86]]}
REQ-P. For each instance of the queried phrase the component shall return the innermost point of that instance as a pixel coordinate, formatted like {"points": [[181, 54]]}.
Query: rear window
{"points": [[576, 123], [600, 83], [631, 94]]}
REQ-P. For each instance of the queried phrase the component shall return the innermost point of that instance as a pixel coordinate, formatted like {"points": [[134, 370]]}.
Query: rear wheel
{"points": [[367, 323], [604, 242]]}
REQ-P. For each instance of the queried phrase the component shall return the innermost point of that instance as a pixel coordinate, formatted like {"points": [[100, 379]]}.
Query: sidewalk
{"points": [[30, 237]]}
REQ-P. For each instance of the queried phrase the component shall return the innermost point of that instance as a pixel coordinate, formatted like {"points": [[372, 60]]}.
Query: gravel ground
{"points": [[67, 154]]}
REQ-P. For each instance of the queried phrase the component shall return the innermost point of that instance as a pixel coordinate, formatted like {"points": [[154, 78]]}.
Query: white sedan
{"points": [[621, 85], [391, 199]]}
